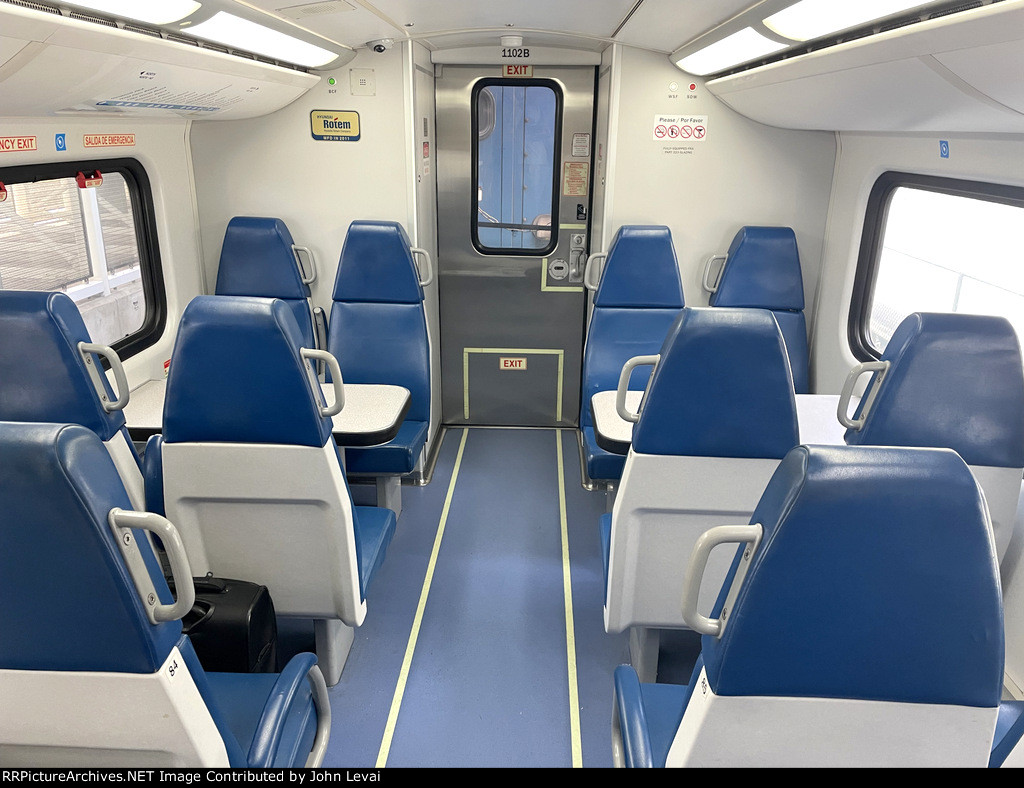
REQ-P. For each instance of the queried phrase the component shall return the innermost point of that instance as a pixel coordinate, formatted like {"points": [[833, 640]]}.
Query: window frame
{"points": [[143, 208], [876, 218], [556, 168]]}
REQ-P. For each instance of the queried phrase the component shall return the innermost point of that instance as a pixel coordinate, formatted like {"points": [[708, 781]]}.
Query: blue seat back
{"points": [[840, 603], [258, 259], [722, 389], [236, 376], [42, 375], [378, 325], [762, 270], [641, 271], [956, 381], [639, 296], [69, 603]]}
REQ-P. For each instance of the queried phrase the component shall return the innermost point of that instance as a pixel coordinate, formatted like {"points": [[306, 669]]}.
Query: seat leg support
{"points": [[644, 645], [389, 493], [333, 642]]}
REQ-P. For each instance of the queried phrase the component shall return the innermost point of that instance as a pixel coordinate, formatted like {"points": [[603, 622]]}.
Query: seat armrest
{"points": [[275, 712], [629, 703]]}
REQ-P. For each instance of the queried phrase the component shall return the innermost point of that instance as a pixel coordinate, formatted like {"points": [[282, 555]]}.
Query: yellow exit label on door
{"points": [[511, 363]]}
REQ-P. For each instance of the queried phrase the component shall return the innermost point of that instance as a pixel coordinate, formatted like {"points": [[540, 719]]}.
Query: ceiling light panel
{"points": [[815, 18], [741, 47], [233, 31]]}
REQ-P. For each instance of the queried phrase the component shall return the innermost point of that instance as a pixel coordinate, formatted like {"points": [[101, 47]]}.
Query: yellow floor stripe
{"points": [[570, 627], [403, 676]]}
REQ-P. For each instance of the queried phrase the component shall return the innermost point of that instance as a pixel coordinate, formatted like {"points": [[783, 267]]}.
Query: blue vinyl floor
{"points": [[488, 677]]}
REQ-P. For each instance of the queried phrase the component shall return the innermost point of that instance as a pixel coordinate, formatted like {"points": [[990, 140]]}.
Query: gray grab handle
{"points": [[710, 287], [881, 369], [121, 522], [620, 392], [591, 264], [309, 278], [335, 369], [723, 534], [430, 265], [87, 350], [322, 703]]}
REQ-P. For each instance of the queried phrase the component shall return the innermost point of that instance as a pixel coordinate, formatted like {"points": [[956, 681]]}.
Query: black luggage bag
{"points": [[232, 626]]}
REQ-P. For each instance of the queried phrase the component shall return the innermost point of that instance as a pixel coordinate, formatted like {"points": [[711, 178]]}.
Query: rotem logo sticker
{"points": [[334, 125]]}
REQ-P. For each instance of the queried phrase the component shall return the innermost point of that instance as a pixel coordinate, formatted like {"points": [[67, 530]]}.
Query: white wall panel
{"points": [[742, 173], [272, 166]]}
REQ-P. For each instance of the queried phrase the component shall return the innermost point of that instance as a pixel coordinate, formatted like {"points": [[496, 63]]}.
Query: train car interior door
{"points": [[514, 164]]}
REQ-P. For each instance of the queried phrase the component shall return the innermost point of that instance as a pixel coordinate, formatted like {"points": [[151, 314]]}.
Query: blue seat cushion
{"points": [[374, 528], [664, 705], [601, 464], [241, 698], [395, 457]]}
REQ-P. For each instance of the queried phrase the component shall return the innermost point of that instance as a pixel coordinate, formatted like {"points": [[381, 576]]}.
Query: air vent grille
{"points": [[96, 20], [46, 9], [145, 31]]}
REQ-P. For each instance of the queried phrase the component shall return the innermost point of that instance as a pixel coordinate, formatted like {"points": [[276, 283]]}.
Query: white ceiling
{"points": [[661, 25]]}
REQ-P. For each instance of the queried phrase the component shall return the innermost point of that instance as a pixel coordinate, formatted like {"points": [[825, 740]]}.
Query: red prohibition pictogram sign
{"points": [[660, 131], [673, 131], [687, 132], [699, 132]]}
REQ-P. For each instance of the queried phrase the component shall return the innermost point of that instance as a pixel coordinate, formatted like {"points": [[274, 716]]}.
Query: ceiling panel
{"points": [[353, 28], [661, 25], [665, 25], [591, 17], [421, 18], [530, 38]]}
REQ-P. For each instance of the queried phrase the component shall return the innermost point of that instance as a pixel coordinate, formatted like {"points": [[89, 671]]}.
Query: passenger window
{"points": [[515, 170], [938, 247], [56, 235]]}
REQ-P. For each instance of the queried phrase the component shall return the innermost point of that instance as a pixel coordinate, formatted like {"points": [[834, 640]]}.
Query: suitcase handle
{"points": [[206, 613], [210, 585]]}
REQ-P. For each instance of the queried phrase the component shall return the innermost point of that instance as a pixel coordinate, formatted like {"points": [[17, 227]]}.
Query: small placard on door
{"points": [[507, 363]]}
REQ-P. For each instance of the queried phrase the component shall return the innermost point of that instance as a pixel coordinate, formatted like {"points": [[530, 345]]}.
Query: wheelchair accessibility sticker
{"points": [[334, 125]]}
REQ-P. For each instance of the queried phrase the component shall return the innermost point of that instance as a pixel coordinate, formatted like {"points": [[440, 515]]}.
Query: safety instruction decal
{"points": [[15, 144], [581, 145], [108, 140], [680, 128], [574, 179], [335, 125]]}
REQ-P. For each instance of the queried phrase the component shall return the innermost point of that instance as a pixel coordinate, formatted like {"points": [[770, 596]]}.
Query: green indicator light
{"points": [[330, 81]]}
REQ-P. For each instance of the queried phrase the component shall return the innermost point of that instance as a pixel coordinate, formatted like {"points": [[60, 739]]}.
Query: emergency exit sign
{"points": [[506, 363], [517, 71]]}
